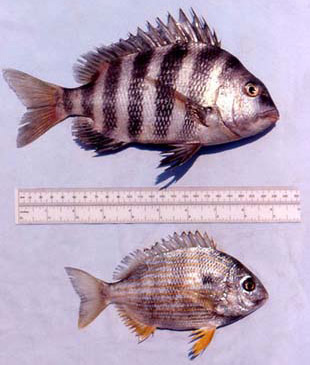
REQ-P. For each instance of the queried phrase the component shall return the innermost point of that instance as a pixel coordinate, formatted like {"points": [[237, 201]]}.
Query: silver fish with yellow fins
{"points": [[171, 85], [182, 283]]}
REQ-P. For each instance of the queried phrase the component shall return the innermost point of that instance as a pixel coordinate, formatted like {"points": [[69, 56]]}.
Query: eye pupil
{"points": [[251, 89], [248, 284]]}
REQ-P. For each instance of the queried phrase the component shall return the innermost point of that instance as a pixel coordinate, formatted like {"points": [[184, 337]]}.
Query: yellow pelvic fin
{"points": [[143, 331], [203, 337]]}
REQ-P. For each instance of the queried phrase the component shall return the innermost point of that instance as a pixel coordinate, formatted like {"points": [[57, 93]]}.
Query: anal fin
{"points": [[142, 330], [89, 138], [179, 154], [203, 337]]}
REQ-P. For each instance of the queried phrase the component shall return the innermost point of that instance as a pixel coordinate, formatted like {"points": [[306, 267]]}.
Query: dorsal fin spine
{"points": [[184, 31], [172, 243]]}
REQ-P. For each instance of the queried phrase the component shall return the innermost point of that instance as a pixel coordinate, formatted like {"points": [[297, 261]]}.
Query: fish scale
{"points": [[87, 100], [109, 97], [135, 93], [165, 86], [178, 274]]}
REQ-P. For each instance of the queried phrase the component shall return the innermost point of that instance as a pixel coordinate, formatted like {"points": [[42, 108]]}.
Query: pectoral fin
{"points": [[203, 337], [142, 330], [205, 299], [205, 116], [179, 154]]}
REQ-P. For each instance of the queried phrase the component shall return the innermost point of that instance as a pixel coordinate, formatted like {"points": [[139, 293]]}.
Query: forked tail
{"points": [[94, 295], [41, 99]]}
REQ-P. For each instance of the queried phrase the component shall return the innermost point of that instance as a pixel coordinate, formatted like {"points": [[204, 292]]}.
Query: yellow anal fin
{"points": [[203, 337], [143, 331]]}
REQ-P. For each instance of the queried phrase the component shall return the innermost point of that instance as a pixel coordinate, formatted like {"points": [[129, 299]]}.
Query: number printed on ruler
{"points": [[150, 205]]}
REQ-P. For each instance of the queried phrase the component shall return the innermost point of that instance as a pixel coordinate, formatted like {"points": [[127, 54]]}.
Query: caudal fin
{"points": [[94, 295], [40, 98]]}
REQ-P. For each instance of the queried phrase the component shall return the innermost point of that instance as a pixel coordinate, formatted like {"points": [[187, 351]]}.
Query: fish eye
{"points": [[251, 89], [248, 284]]}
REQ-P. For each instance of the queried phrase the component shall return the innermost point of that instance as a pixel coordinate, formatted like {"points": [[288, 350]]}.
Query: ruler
{"points": [[151, 205]]}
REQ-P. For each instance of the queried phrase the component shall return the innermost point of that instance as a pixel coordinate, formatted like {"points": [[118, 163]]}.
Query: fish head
{"points": [[244, 294], [244, 102]]}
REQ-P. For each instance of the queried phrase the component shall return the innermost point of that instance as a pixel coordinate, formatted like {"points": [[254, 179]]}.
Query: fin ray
{"points": [[89, 139], [185, 31], [141, 330], [202, 338], [40, 98], [136, 260], [94, 295], [179, 154], [198, 113]]}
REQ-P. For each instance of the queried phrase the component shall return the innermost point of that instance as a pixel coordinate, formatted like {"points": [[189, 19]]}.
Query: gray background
{"points": [[37, 304]]}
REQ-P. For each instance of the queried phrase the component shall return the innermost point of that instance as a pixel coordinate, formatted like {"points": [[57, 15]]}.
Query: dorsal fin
{"points": [[135, 259], [181, 31]]}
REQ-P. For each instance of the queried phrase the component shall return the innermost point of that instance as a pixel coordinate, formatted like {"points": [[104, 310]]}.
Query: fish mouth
{"points": [[271, 115], [261, 301]]}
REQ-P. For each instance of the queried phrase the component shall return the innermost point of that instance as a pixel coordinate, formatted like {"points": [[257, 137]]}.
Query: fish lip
{"points": [[272, 115], [260, 302]]}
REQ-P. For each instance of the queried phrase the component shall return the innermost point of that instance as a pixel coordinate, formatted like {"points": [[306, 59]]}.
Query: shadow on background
{"points": [[176, 173]]}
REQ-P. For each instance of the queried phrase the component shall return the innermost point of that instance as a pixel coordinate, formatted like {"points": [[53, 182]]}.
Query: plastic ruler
{"points": [[151, 205]]}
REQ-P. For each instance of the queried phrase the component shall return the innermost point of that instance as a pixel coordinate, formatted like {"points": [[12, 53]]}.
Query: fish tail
{"points": [[94, 295], [42, 99]]}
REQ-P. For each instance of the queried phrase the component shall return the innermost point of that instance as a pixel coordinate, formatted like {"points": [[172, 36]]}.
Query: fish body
{"points": [[183, 283], [171, 85]]}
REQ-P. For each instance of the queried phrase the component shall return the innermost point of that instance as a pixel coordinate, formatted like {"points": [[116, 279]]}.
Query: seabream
{"points": [[171, 85], [182, 283]]}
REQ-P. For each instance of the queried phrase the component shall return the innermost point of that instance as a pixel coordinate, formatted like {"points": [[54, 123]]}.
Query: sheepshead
{"points": [[183, 283], [171, 85]]}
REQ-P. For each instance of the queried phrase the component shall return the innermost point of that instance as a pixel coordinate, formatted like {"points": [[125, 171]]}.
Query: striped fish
{"points": [[171, 85], [182, 283]]}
